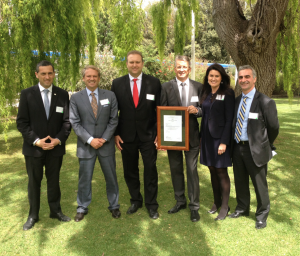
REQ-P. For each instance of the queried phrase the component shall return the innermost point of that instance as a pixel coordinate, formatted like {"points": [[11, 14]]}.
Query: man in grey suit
{"points": [[254, 130], [182, 91], [94, 118]]}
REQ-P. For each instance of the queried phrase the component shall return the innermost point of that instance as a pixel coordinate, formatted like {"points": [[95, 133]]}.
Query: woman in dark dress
{"points": [[217, 114]]}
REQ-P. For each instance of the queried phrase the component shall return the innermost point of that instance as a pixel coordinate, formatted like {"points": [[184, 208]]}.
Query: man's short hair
{"points": [[248, 67], [135, 52], [43, 63], [183, 58], [90, 67]]}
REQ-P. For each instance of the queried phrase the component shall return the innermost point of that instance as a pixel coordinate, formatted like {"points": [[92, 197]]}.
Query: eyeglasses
{"points": [[182, 68]]}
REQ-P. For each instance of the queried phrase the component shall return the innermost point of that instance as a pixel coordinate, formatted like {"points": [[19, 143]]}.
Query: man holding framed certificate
{"points": [[182, 91]]}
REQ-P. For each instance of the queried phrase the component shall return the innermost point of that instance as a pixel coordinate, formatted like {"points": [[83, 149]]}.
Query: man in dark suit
{"points": [[138, 95], [43, 120], [94, 118], [183, 91], [255, 128]]}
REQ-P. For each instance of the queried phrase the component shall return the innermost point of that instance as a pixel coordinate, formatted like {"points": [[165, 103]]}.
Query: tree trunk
{"points": [[251, 42]]}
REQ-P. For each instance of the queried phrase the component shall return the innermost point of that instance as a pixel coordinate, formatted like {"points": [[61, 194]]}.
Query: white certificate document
{"points": [[173, 128]]}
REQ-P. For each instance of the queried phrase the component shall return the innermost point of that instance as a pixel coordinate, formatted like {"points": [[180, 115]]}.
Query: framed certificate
{"points": [[172, 128]]}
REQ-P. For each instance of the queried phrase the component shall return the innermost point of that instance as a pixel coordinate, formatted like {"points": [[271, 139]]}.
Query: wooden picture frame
{"points": [[172, 128]]}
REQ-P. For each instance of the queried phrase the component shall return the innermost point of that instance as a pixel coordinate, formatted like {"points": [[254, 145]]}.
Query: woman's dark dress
{"points": [[209, 145]]}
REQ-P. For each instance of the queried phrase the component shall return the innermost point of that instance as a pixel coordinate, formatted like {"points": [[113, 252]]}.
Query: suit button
{"points": [[209, 118], [95, 124]]}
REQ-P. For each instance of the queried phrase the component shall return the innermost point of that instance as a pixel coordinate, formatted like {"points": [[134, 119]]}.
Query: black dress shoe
{"points": [[29, 223], [260, 224], [116, 213], [221, 217], [195, 215], [79, 216], [60, 216], [177, 208], [238, 214], [133, 208], [153, 214]]}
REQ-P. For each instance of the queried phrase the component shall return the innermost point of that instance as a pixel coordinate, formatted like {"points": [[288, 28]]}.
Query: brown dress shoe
{"points": [[116, 213], [79, 216]]}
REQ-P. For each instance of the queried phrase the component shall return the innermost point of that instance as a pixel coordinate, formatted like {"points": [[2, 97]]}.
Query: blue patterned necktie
{"points": [[46, 102], [241, 118]]}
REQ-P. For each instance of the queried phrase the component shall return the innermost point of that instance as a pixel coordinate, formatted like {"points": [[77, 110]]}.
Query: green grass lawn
{"points": [[100, 234]]}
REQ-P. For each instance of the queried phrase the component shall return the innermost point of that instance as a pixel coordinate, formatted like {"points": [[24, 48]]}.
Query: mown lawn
{"points": [[100, 234]]}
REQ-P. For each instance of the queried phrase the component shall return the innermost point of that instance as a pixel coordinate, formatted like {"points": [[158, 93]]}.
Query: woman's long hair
{"points": [[224, 85]]}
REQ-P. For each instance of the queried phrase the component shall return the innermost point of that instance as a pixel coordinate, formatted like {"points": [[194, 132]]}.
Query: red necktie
{"points": [[135, 93]]}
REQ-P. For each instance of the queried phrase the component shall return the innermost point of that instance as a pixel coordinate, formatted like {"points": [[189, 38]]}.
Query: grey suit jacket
{"points": [[86, 125], [261, 132], [170, 97]]}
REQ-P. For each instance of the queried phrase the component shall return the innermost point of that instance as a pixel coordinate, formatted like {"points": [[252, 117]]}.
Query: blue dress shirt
{"points": [[250, 95]]}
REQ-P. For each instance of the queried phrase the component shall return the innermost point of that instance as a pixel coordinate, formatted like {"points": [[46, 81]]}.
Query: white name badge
{"points": [[150, 97], [253, 115], [104, 102], [194, 99], [59, 110], [220, 97]]}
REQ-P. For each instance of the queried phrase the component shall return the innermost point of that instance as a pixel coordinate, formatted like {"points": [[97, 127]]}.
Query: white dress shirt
{"points": [[138, 82], [186, 87]]}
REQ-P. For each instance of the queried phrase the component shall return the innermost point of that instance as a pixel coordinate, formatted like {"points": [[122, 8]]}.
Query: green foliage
{"points": [[288, 46], [127, 25], [183, 22], [61, 27]]}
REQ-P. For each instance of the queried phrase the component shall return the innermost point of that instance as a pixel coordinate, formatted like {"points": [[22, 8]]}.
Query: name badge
{"points": [[220, 97], [104, 102], [59, 110], [253, 115], [150, 97], [194, 99]]}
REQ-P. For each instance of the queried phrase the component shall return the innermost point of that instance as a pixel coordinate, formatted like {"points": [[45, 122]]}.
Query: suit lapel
{"points": [[237, 103], [176, 91], [101, 96], [86, 102], [254, 103], [39, 100], [143, 88], [54, 97], [191, 93], [128, 90]]}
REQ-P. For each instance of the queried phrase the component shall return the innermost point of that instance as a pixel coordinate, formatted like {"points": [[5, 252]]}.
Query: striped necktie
{"points": [[94, 104], [241, 118]]}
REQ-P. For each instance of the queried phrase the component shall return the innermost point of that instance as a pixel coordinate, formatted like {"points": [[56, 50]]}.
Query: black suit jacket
{"points": [[140, 120], [220, 118], [263, 131], [170, 97], [33, 124]]}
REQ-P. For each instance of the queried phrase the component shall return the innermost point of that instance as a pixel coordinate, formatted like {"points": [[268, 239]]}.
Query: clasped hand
{"points": [[47, 145]]}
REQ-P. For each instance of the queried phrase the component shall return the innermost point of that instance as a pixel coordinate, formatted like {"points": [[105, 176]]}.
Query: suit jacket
{"points": [[263, 131], [141, 120], [220, 118], [85, 125], [33, 124], [170, 97]]}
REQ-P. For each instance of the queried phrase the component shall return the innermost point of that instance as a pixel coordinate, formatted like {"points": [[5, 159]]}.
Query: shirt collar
{"points": [[250, 94], [43, 88], [139, 77], [89, 91], [187, 81]]}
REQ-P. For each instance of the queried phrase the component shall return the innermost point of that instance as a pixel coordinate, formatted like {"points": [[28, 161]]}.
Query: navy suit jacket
{"points": [[141, 120], [220, 118], [33, 124]]}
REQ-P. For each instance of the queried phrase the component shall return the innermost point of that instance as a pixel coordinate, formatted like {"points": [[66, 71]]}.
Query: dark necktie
{"points": [[135, 92], [183, 95], [46, 102], [241, 118], [94, 104]]}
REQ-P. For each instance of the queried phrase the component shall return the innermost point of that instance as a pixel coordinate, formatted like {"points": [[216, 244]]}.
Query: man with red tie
{"points": [[138, 95]]}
